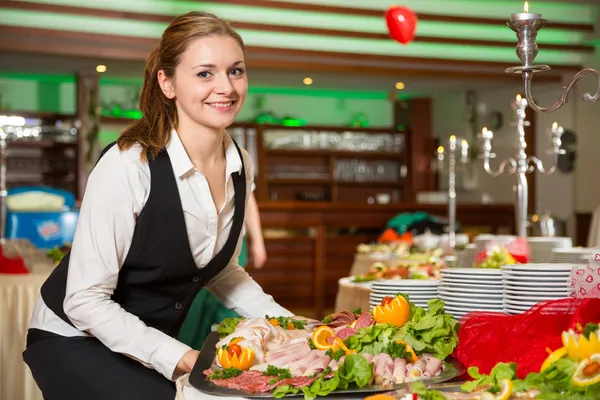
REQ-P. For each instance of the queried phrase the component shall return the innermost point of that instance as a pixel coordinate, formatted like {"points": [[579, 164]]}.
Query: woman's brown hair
{"points": [[159, 114]]}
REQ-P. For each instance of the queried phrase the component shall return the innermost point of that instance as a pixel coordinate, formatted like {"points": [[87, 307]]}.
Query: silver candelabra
{"points": [[521, 164], [527, 25], [3, 190], [464, 159]]}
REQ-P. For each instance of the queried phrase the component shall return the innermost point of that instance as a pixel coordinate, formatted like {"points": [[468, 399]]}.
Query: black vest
{"points": [[159, 278]]}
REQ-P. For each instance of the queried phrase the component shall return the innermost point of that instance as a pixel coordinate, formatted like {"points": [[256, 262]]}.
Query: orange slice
{"points": [[339, 344], [320, 336]]}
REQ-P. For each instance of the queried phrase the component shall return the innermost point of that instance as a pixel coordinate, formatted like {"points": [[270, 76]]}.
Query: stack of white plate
{"points": [[573, 255], [420, 291], [541, 247], [471, 289], [525, 285], [485, 241]]}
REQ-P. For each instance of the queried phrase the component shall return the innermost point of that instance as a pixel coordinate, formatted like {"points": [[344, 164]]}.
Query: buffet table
{"points": [[18, 294]]}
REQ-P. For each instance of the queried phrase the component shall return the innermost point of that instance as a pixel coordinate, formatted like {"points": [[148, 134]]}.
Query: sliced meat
{"points": [[417, 370], [367, 356], [433, 367], [317, 366], [399, 373], [282, 358], [256, 382], [298, 367], [384, 368], [340, 319], [345, 332], [364, 320]]}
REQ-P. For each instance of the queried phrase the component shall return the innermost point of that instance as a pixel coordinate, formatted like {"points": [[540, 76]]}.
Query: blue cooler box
{"points": [[45, 229]]}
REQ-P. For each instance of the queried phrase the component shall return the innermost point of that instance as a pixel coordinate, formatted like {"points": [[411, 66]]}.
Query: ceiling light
{"points": [[101, 68], [399, 85], [307, 81]]}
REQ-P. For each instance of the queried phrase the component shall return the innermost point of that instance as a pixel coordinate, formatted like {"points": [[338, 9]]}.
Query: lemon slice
{"points": [[506, 388], [587, 372], [555, 355]]}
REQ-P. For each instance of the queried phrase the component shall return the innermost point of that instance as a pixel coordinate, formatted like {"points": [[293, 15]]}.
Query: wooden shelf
{"points": [[47, 116], [379, 155], [45, 143], [371, 183], [299, 181]]}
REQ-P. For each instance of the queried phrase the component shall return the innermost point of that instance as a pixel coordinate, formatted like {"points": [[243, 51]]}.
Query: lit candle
{"points": [[464, 152], [452, 142], [554, 126], [486, 134], [440, 150], [526, 15]]}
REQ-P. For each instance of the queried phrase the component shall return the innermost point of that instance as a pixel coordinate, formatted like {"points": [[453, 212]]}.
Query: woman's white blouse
{"points": [[116, 192]]}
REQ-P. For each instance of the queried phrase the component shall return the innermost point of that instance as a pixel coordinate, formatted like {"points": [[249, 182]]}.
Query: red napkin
{"points": [[11, 265]]}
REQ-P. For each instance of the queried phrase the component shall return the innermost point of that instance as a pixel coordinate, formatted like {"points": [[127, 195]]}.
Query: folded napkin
{"points": [[585, 279]]}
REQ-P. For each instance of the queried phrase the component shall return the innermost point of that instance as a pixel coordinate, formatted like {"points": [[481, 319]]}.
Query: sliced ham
{"points": [[399, 373], [317, 366], [283, 358], [367, 356], [300, 365], [345, 332], [417, 370], [384, 368], [433, 366]]}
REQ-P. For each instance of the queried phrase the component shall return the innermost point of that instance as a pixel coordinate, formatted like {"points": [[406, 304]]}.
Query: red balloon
{"points": [[401, 23]]}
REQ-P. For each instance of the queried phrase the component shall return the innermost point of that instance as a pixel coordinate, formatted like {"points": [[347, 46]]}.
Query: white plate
{"points": [[410, 292], [489, 282], [470, 271], [458, 290], [519, 280], [549, 274], [379, 298], [445, 293], [406, 282], [519, 303], [537, 267], [465, 310], [524, 293], [457, 301], [497, 287], [529, 285]]}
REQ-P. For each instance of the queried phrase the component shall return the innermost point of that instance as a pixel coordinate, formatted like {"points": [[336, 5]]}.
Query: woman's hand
{"points": [[187, 362]]}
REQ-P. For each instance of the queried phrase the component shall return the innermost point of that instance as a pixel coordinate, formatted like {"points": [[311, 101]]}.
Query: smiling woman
{"points": [[161, 219]]}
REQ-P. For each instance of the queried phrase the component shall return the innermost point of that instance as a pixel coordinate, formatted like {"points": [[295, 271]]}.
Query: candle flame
{"points": [[452, 138], [526, 7], [519, 97], [440, 149], [464, 143], [555, 125], [484, 130]]}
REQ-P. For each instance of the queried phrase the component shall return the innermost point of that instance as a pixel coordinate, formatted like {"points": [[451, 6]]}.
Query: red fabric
{"points": [[486, 339], [11, 265]]}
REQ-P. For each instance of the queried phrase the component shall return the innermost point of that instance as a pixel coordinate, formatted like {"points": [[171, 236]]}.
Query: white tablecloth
{"points": [[18, 294]]}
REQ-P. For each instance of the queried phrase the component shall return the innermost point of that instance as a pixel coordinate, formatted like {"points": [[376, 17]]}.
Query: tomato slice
{"points": [[386, 300], [234, 350]]}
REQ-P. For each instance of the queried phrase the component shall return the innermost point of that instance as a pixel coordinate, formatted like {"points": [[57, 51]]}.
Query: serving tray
{"points": [[198, 380]]}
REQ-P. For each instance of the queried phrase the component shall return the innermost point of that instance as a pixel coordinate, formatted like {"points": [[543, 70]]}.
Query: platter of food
{"points": [[349, 352]]}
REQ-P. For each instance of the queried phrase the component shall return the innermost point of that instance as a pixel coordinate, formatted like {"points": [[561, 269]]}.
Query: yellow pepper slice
{"points": [[579, 347], [243, 362], [394, 313]]}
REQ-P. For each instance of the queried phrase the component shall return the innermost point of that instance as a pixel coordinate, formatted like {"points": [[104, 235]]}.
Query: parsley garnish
{"points": [[397, 350], [285, 321], [335, 355], [225, 373], [311, 344], [280, 373], [357, 311], [589, 329], [327, 320]]}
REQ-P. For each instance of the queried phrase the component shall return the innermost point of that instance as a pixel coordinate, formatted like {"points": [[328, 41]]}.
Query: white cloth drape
{"points": [[18, 294]]}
